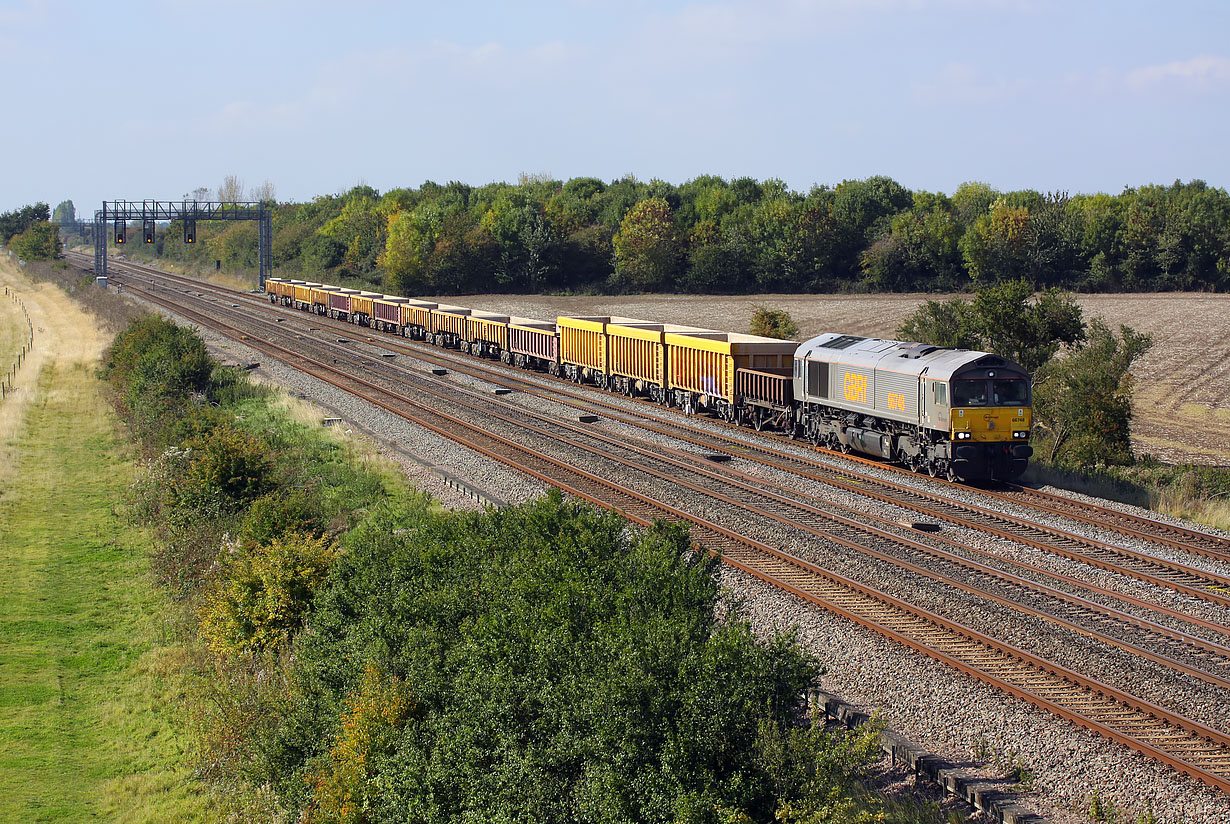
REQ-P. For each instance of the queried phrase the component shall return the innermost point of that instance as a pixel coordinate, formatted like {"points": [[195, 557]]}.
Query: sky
{"points": [[111, 99]]}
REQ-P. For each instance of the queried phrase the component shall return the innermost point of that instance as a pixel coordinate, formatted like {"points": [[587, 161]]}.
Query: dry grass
{"points": [[13, 330], [61, 333], [1214, 512]]}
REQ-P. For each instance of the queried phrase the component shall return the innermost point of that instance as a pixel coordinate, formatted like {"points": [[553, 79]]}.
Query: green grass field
{"points": [[91, 685]]}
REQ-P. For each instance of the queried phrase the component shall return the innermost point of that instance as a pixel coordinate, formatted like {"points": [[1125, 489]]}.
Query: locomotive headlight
{"points": [[962, 436], [1022, 435]]}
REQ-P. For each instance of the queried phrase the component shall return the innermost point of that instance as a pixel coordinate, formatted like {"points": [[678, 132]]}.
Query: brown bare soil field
{"points": [[1182, 411]]}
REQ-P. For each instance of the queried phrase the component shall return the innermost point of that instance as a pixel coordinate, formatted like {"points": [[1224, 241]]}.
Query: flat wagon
{"points": [[584, 346], [319, 302], [636, 358], [303, 294], [416, 318], [362, 307], [339, 303]]}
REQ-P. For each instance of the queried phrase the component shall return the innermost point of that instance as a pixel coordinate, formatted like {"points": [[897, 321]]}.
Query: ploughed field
{"points": [[1183, 383]]}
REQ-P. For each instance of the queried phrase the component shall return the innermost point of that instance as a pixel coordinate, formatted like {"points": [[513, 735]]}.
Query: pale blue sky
{"points": [[115, 99]]}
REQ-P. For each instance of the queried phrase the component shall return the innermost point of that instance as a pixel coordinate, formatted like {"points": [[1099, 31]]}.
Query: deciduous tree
{"points": [[1083, 401], [647, 247]]}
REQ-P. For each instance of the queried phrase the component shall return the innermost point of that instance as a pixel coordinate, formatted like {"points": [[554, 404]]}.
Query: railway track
{"points": [[1087, 514], [1119, 716], [1129, 525], [1144, 567]]}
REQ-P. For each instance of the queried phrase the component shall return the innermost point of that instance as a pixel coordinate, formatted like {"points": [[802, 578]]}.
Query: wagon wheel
{"points": [[757, 419]]}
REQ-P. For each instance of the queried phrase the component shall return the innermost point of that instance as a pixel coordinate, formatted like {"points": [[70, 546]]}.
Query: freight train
{"points": [[955, 413]]}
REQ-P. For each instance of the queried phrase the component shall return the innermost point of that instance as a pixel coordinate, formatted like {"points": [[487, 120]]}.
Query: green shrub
{"points": [[229, 463], [774, 323], [263, 592], [274, 515], [566, 667]]}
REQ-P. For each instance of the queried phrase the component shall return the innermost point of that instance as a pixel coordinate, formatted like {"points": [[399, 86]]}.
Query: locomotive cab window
{"points": [[1010, 392], [969, 393], [941, 394]]}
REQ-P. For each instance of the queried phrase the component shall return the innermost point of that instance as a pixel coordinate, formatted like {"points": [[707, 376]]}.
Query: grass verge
{"points": [[1196, 493], [90, 684]]}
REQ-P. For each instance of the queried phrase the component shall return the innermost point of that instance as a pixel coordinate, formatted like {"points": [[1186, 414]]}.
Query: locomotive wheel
{"points": [[931, 470], [952, 476]]}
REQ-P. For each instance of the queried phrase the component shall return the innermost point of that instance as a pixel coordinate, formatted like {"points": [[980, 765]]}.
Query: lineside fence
{"points": [[6, 382]]}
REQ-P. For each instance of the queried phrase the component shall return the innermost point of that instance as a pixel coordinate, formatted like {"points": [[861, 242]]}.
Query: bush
{"points": [[263, 592], [774, 323], [566, 668], [373, 714], [1083, 402], [277, 514], [229, 464]]}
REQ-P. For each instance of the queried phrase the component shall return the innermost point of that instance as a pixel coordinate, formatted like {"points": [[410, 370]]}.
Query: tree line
{"points": [[27, 232], [712, 236]]}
